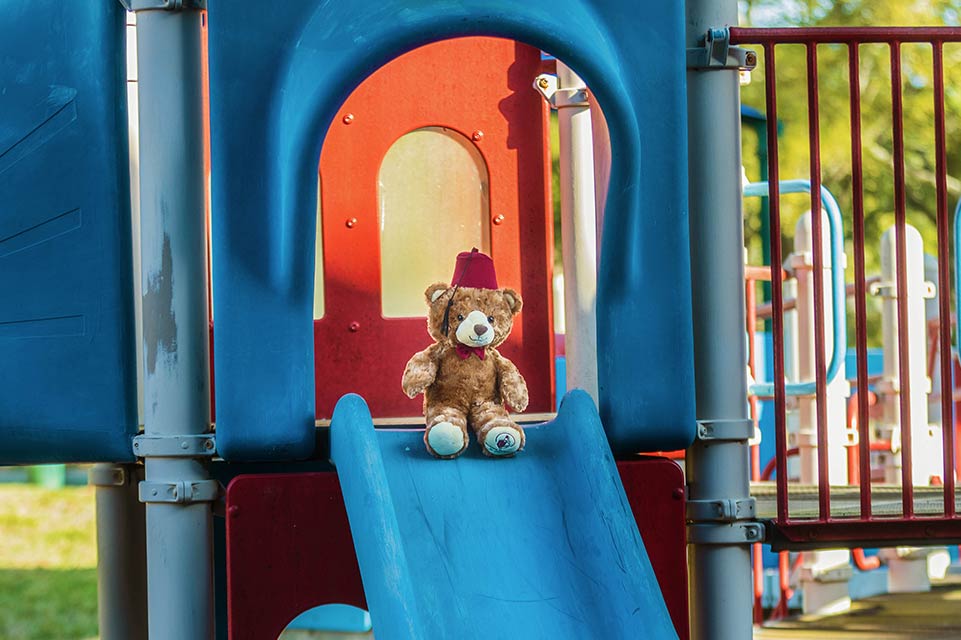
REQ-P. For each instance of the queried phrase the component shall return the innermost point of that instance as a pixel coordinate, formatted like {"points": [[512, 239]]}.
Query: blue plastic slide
{"points": [[543, 545]]}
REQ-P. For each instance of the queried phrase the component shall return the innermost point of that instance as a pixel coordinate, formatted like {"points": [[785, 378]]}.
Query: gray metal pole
{"points": [[177, 488], [121, 555], [720, 510]]}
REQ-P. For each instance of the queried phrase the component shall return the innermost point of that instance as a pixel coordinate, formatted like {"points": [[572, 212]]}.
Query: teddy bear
{"points": [[465, 380]]}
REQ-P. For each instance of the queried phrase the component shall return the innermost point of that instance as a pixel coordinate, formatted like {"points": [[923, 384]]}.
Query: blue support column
{"points": [[720, 509], [177, 488]]}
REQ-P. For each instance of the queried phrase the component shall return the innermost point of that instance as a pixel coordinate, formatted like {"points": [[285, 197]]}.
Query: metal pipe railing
{"points": [[838, 289]]}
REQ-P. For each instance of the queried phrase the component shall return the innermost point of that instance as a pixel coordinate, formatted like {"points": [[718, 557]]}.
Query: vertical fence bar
{"points": [[944, 284], [777, 299], [904, 364], [820, 375], [860, 284]]}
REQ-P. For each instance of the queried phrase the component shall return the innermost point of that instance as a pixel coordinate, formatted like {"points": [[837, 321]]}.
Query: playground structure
{"points": [[306, 307]]}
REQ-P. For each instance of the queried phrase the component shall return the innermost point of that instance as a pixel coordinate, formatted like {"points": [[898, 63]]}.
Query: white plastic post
{"points": [[907, 566], [790, 324], [824, 574], [926, 458], [931, 313], [578, 235]]}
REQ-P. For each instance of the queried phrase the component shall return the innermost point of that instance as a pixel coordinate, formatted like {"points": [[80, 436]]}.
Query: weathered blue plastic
{"points": [[542, 545], [67, 351], [277, 78]]}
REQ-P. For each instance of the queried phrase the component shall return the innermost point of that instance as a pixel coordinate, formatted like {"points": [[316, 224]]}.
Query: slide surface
{"points": [[543, 545]]}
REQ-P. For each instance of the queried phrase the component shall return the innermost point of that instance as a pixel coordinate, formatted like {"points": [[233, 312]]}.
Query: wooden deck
{"points": [[846, 500]]}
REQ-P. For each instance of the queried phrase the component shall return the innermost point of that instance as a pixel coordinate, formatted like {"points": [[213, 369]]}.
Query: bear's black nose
{"points": [[480, 329]]}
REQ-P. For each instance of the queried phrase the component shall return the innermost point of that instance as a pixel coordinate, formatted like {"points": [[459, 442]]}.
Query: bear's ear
{"points": [[513, 300], [435, 291]]}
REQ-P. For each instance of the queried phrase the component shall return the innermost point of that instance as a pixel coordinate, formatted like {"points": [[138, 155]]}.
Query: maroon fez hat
{"points": [[475, 270]]}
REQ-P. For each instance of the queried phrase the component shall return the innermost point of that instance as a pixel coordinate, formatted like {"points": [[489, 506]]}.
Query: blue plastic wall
{"points": [[277, 77], [67, 352]]}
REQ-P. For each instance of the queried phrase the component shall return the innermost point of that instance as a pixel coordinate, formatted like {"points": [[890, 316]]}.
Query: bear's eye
{"points": [[460, 317], [490, 319]]}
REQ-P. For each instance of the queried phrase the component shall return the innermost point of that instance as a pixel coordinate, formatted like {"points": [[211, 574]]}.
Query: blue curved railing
{"points": [[838, 306]]}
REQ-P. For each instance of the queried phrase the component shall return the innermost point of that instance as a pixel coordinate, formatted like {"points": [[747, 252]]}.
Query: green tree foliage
{"points": [[876, 118]]}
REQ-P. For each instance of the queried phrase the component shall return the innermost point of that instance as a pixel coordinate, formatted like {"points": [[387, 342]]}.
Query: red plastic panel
{"points": [[288, 549], [481, 88], [655, 489], [289, 546]]}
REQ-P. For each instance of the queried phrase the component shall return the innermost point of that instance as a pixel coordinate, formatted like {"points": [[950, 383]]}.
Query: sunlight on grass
{"points": [[48, 559]]}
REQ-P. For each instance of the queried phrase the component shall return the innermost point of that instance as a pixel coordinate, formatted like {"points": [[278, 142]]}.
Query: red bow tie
{"points": [[464, 351]]}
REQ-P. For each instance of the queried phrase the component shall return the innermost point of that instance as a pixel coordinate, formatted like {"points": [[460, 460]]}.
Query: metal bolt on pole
{"points": [[719, 551], [177, 489]]}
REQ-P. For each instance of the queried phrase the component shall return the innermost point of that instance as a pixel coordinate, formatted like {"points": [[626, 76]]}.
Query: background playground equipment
{"points": [[307, 168]]}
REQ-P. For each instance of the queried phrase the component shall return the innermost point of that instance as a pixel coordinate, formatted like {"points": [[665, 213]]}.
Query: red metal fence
{"points": [[865, 528]]}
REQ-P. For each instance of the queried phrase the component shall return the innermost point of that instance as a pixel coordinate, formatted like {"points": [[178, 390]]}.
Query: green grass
{"points": [[48, 559]]}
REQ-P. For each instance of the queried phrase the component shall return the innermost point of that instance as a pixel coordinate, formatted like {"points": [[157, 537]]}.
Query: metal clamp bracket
{"points": [[166, 5], [735, 533], [187, 446], [181, 492], [725, 429], [546, 85], [727, 510], [717, 53]]}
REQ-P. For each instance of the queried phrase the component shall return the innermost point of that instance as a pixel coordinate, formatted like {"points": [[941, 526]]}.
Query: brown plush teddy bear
{"points": [[465, 381]]}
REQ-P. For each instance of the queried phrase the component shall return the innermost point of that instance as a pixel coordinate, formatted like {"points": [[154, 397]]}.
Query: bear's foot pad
{"points": [[503, 441], [446, 440]]}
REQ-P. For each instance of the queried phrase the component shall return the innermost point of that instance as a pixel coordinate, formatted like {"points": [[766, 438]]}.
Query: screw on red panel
{"points": [[678, 493], [234, 511], [354, 326], [499, 219], [351, 223], [477, 135], [347, 119]]}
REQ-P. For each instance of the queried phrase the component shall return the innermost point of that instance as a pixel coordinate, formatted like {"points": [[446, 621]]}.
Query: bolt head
{"points": [[499, 219], [348, 118], [354, 326], [351, 223], [543, 83], [184, 445], [751, 58], [477, 136]]}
